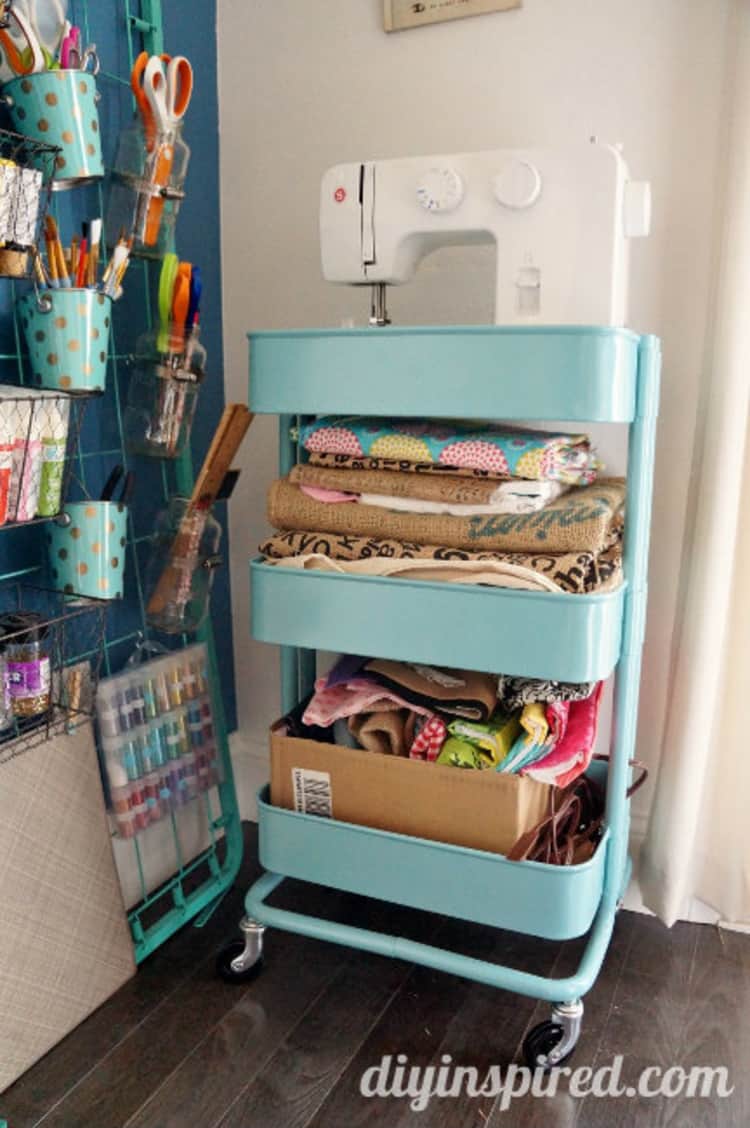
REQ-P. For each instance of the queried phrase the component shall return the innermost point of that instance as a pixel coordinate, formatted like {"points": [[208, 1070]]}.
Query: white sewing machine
{"points": [[562, 221]]}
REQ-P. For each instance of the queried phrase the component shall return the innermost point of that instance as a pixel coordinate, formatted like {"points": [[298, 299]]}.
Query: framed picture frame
{"points": [[402, 14]]}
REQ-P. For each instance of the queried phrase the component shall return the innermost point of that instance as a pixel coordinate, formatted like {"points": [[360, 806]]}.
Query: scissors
{"points": [[180, 305], [196, 291], [73, 57], [167, 280], [163, 87], [32, 58], [47, 20]]}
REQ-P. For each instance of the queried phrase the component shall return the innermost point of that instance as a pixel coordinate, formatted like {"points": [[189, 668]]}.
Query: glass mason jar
{"points": [[163, 392], [147, 188], [180, 570]]}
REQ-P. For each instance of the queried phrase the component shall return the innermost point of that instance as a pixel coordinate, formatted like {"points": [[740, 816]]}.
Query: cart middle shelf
{"points": [[547, 635]]}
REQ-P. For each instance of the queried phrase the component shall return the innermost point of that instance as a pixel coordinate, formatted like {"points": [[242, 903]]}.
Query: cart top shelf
{"points": [[565, 373]]}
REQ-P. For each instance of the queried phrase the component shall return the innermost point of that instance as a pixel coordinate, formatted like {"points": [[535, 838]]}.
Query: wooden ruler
{"points": [[232, 429]]}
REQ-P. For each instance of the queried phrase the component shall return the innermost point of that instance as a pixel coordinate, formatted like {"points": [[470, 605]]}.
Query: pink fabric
{"points": [[320, 493], [429, 740], [360, 695], [572, 754], [557, 713]]}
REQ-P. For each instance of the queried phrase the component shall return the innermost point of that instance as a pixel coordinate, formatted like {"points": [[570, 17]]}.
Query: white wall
{"points": [[307, 84]]}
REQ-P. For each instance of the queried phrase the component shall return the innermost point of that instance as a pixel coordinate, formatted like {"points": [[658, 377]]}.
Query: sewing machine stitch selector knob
{"points": [[517, 185], [440, 190]]}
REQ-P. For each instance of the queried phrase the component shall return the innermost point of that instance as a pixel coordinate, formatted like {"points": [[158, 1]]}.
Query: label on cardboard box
{"points": [[312, 792]]}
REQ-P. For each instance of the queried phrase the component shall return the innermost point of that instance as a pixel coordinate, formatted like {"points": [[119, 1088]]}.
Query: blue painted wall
{"points": [[198, 241]]}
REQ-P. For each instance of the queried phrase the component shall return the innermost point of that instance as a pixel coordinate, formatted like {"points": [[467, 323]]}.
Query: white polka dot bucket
{"points": [[59, 108], [67, 335], [86, 547]]}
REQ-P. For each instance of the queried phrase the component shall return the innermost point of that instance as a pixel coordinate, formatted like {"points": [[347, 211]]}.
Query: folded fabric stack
{"points": [[448, 501], [545, 730]]}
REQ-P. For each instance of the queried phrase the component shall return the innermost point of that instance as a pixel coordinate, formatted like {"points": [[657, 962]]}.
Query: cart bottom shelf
{"points": [[553, 902]]}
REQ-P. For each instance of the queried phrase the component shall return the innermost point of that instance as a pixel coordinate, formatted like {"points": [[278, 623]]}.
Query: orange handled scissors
{"points": [[163, 87], [180, 305], [32, 59]]}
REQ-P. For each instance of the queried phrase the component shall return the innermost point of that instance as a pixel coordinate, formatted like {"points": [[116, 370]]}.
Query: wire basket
{"points": [[27, 168], [50, 660], [39, 438]]}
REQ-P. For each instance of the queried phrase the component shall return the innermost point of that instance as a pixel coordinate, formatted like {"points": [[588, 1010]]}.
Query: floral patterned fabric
{"points": [[506, 452]]}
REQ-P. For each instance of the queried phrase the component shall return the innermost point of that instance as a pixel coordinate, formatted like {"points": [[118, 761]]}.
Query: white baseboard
{"points": [[250, 765]]}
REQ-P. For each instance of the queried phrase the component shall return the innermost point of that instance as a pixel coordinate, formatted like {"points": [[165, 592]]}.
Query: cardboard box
{"points": [[484, 810]]}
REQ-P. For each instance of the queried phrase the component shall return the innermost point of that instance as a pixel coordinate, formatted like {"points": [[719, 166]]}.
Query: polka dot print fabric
{"points": [[59, 108], [68, 344], [87, 556], [502, 452]]}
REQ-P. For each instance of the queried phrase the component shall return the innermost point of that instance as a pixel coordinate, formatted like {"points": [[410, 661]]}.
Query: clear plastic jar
{"points": [[180, 571], [27, 662], [163, 392], [146, 189]]}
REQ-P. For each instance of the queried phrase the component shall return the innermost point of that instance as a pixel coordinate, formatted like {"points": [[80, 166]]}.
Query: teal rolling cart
{"points": [[570, 374]]}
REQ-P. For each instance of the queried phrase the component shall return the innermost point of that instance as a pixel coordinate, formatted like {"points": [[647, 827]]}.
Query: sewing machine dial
{"points": [[440, 190], [517, 185]]}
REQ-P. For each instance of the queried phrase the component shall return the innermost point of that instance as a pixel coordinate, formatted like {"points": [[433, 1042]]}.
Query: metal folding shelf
{"points": [[568, 374]]}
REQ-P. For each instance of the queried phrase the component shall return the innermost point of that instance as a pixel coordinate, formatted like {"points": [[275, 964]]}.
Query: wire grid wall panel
{"points": [[121, 29]]}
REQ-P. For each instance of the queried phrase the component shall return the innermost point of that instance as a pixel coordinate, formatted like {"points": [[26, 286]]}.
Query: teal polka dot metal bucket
{"points": [[67, 336], [59, 108], [86, 548]]}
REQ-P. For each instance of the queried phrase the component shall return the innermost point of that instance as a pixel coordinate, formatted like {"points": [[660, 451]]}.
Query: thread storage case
{"points": [[157, 737], [571, 375], [139, 201]]}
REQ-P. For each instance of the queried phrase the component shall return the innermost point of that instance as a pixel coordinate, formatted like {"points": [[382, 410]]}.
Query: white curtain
{"points": [[697, 844]]}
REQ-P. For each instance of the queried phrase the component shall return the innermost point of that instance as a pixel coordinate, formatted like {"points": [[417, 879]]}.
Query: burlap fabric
{"points": [[581, 521], [426, 487]]}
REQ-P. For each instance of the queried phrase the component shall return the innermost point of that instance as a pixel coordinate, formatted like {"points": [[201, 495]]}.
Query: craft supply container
{"points": [[67, 334], [163, 393], [50, 658], [26, 171], [142, 199], [180, 571], [86, 549], [28, 668], [58, 107], [37, 438], [157, 738]]}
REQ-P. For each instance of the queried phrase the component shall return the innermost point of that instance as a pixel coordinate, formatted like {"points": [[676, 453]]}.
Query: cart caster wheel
{"points": [[540, 1043], [242, 960], [226, 958], [553, 1042]]}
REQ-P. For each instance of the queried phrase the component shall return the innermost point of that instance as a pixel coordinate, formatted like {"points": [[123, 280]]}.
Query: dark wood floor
{"points": [[177, 1048]]}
